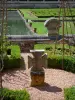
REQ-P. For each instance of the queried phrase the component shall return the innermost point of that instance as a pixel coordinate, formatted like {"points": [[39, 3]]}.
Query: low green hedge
{"points": [[15, 51], [10, 62], [55, 61], [52, 12], [69, 93], [13, 60], [14, 94]]}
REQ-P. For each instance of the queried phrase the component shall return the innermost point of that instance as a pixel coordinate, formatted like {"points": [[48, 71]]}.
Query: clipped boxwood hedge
{"points": [[55, 61], [13, 60], [69, 93], [14, 94], [51, 12]]}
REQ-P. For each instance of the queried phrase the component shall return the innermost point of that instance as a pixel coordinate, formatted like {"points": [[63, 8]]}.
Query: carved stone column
{"points": [[37, 71], [26, 46]]}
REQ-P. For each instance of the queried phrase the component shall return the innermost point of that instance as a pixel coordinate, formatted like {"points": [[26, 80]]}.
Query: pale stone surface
{"points": [[56, 80], [39, 61], [30, 61], [53, 26], [44, 60]]}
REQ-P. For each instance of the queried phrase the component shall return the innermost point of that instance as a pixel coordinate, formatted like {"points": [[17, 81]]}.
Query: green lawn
{"points": [[34, 13], [70, 29], [58, 48], [27, 14], [52, 12], [52, 46], [41, 29], [15, 51]]}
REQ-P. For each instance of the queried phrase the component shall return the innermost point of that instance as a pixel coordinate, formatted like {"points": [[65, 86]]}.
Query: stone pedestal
{"points": [[35, 29], [37, 78], [26, 46], [37, 72]]}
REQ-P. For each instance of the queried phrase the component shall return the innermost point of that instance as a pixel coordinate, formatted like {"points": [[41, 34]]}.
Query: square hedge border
{"points": [[7, 94], [69, 93]]}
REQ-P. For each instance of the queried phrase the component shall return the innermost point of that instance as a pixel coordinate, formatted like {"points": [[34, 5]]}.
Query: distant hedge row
{"points": [[52, 12], [7, 94]]}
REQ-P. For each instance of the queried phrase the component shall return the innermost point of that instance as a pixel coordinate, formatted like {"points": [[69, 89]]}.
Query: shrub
{"points": [[15, 51], [55, 61], [13, 60], [43, 46], [69, 93], [48, 48], [51, 12], [14, 94]]}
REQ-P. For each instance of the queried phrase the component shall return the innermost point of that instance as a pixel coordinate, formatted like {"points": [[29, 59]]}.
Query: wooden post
{"points": [[35, 29], [30, 24]]}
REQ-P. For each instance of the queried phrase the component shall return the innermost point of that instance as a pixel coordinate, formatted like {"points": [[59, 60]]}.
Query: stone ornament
{"points": [[37, 62], [52, 25]]}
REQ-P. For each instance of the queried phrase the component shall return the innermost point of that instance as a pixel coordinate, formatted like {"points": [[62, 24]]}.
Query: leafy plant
{"points": [[51, 12], [55, 59], [69, 93], [13, 60], [14, 94]]}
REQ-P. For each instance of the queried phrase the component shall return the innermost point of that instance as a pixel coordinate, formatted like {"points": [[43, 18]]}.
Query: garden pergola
{"points": [[3, 40], [3, 27]]}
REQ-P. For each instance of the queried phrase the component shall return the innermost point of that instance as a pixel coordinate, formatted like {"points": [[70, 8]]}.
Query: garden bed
{"points": [[55, 56], [69, 93], [7, 94], [41, 29], [53, 89], [13, 60]]}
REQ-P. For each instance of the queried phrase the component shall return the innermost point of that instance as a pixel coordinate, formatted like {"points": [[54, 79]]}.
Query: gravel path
{"points": [[55, 82]]}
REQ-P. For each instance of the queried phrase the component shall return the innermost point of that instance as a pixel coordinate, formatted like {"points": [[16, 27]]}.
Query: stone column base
{"points": [[37, 78]]}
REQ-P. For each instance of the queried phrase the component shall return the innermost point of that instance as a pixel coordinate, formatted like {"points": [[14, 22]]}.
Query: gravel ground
{"points": [[55, 81]]}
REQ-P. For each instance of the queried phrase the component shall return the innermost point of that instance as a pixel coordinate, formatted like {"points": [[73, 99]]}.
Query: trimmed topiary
{"points": [[7, 94], [55, 61], [13, 60], [69, 93]]}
